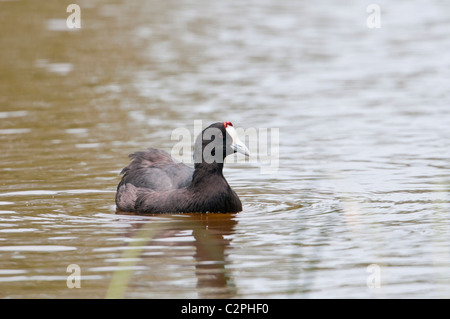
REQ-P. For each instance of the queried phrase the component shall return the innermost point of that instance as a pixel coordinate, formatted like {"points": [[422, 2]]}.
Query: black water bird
{"points": [[154, 183]]}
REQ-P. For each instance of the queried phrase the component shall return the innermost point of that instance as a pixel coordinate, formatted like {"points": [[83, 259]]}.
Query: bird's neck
{"points": [[204, 172]]}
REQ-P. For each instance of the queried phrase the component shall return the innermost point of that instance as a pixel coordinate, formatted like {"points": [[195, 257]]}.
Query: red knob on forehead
{"points": [[226, 124]]}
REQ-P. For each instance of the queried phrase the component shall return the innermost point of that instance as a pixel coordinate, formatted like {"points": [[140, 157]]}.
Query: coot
{"points": [[154, 183]]}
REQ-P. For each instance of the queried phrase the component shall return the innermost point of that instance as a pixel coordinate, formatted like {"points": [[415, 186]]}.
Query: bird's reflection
{"points": [[212, 237]]}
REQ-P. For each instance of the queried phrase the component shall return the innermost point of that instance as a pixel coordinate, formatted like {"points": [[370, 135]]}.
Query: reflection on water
{"points": [[363, 174], [198, 240]]}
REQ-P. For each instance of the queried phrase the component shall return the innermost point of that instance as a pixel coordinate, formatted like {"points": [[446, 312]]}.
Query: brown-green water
{"points": [[364, 122]]}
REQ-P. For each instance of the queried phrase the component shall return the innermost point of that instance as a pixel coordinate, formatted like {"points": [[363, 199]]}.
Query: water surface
{"points": [[363, 177]]}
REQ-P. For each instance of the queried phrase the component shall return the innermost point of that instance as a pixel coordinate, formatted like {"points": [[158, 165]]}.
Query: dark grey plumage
{"points": [[156, 170], [154, 183]]}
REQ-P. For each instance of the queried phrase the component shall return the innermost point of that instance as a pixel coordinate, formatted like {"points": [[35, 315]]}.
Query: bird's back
{"points": [[156, 170], [150, 171]]}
